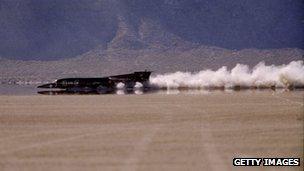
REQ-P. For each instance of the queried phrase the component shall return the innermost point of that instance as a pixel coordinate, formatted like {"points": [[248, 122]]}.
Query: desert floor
{"points": [[202, 131]]}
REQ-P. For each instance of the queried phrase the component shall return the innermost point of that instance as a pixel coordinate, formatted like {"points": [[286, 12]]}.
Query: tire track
{"points": [[212, 154], [132, 163]]}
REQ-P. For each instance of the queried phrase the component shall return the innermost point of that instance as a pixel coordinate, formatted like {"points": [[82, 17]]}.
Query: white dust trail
{"points": [[241, 76]]}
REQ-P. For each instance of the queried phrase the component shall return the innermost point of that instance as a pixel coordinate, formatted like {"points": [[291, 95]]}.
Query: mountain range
{"points": [[45, 40]]}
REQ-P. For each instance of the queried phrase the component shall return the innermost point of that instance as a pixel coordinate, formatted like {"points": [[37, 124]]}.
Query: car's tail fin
{"points": [[142, 76]]}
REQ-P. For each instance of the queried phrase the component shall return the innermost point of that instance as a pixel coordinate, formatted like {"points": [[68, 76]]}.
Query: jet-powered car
{"points": [[104, 83]]}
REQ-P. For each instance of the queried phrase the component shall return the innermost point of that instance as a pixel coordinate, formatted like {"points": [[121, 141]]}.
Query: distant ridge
{"points": [[140, 43], [50, 30], [109, 61]]}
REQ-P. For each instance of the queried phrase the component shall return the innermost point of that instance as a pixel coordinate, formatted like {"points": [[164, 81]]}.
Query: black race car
{"points": [[107, 83]]}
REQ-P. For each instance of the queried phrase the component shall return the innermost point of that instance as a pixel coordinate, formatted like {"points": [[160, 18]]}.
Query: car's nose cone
{"points": [[51, 85]]}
